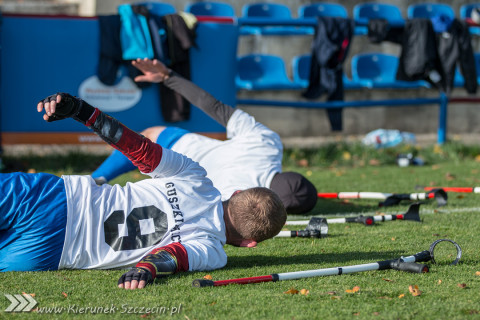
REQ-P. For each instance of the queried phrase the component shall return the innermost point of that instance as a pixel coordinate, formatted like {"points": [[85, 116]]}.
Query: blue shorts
{"points": [[170, 135], [33, 217]]}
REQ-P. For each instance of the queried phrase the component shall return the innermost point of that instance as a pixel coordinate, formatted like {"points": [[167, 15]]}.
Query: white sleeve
{"points": [[241, 123], [205, 254], [176, 164]]}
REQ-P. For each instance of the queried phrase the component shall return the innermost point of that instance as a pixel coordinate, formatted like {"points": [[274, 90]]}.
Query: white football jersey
{"points": [[113, 226], [250, 157]]}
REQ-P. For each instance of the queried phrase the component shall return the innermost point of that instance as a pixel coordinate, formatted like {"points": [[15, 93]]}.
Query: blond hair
{"points": [[257, 213]]}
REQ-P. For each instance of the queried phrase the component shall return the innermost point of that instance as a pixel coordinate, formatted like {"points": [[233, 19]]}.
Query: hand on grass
{"points": [[135, 278]]}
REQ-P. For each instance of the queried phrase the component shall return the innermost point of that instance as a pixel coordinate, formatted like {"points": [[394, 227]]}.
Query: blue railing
{"points": [[441, 101]]}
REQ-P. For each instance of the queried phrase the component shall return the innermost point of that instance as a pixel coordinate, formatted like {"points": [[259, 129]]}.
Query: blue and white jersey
{"points": [[250, 157], [113, 226]]}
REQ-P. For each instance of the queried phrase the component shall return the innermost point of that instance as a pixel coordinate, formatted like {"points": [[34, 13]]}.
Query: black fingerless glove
{"points": [[138, 274], [70, 107]]}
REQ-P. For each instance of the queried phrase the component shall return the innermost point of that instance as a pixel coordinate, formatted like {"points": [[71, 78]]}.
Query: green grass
{"points": [[448, 292]]}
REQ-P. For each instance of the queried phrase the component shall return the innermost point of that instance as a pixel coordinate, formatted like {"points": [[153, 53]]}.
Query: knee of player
{"points": [[152, 133]]}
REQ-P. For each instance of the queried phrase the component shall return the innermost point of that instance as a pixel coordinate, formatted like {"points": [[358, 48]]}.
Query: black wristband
{"points": [[85, 112]]}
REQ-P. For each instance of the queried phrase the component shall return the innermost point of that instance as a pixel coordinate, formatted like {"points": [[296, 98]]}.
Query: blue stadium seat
{"points": [[301, 73], [378, 70], [262, 72], [322, 9], [158, 8], [266, 10], [429, 10], [270, 11], [209, 8], [301, 69], [363, 12], [458, 80], [466, 11]]}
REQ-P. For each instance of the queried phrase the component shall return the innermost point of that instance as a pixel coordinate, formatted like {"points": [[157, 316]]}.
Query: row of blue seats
{"points": [[369, 70], [362, 13]]}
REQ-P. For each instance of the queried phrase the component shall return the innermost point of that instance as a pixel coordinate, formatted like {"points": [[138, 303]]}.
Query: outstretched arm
{"points": [[155, 71], [143, 153]]}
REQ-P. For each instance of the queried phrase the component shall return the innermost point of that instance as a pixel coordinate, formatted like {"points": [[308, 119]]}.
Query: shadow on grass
{"points": [[340, 259]]}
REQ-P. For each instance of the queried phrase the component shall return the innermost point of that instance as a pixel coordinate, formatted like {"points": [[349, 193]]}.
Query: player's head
{"points": [[297, 193], [256, 214]]}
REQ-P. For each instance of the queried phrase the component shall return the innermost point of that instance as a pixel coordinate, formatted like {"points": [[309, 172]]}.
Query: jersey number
{"points": [[135, 239]]}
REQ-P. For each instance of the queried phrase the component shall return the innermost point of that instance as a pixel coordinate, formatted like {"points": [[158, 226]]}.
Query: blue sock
{"points": [[115, 165]]}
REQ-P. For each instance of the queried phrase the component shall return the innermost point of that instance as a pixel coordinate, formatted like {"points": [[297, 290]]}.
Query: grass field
{"points": [[447, 292]]}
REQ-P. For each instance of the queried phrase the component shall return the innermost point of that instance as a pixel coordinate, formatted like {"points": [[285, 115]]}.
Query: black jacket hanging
{"points": [[455, 47], [180, 38], [419, 59], [329, 49]]}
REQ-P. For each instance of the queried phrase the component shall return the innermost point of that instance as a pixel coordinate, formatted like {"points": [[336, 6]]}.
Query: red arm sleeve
{"points": [[165, 260], [143, 153]]}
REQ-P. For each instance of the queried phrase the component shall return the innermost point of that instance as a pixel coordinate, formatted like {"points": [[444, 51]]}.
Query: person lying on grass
{"points": [[250, 157], [173, 222]]}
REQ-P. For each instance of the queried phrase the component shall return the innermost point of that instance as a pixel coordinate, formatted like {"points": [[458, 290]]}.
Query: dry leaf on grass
{"points": [[64, 294], [30, 294], [414, 290], [207, 277], [460, 196], [137, 175], [353, 290], [303, 163], [477, 273], [388, 280], [401, 296], [462, 285], [304, 292], [291, 291], [449, 176], [439, 282]]}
